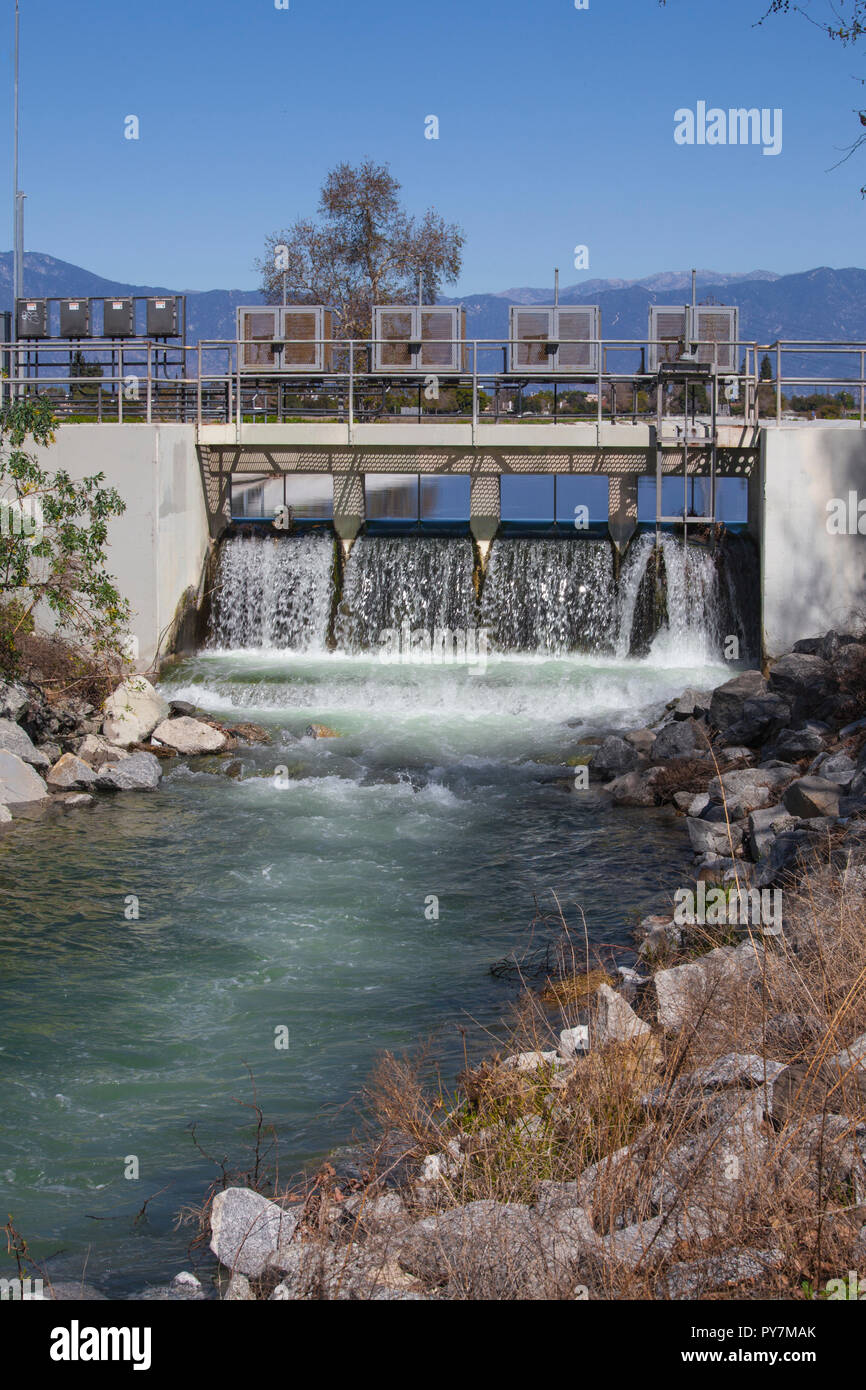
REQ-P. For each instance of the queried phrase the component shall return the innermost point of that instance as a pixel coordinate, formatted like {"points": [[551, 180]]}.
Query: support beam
{"points": [[622, 509]]}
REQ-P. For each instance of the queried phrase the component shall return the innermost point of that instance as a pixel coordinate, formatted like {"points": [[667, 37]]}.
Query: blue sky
{"points": [[556, 129]]}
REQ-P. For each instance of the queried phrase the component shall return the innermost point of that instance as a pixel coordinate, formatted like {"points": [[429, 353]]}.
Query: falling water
{"points": [[669, 598], [273, 593], [420, 580], [549, 595]]}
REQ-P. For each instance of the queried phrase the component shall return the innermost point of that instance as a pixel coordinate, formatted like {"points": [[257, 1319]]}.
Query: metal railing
{"points": [[209, 383]]}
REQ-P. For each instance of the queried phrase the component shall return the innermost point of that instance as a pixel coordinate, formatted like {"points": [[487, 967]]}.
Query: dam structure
{"points": [[556, 477]]}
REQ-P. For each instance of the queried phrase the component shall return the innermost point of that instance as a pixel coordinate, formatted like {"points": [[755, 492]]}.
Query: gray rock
{"points": [[692, 1278], [138, 772], [838, 767], [692, 704], [685, 987], [97, 751], [799, 743], [853, 1057], [713, 837], [71, 801], [679, 739], [70, 772], [764, 825], [698, 804], [613, 758], [13, 739], [615, 1020], [735, 1069], [5, 816], [13, 700], [763, 717], [749, 788], [189, 736], [133, 712], [641, 739], [793, 1032], [21, 787], [181, 709], [737, 753], [248, 1231], [812, 796], [804, 681], [634, 788], [785, 857], [727, 701]]}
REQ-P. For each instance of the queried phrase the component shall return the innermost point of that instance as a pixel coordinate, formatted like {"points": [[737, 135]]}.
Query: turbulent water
{"points": [[295, 894]]}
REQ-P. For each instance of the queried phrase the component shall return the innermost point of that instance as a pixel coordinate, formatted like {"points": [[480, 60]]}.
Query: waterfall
{"points": [[670, 599], [420, 580], [273, 592], [549, 595]]}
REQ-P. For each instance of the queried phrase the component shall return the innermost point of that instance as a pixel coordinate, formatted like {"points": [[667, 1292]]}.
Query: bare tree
{"points": [[363, 249]]}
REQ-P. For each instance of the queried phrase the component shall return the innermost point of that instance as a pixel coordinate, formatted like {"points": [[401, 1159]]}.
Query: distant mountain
{"points": [[813, 304], [210, 313]]}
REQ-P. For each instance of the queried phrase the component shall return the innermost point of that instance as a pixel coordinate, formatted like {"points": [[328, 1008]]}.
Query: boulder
{"points": [[181, 709], [689, 1279], [189, 736], [71, 801], [684, 987], [747, 789], [679, 739], [641, 739], [783, 859], [97, 751], [21, 787], [573, 1041], [13, 739], [811, 1088], [836, 767], [133, 712], [615, 1020], [801, 742], [136, 773], [727, 701], [13, 700], [247, 1230], [70, 773], [764, 825], [692, 704], [763, 717], [812, 796], [5, 815], [804, 681], [697, 804], [634, 788], [713, 837], [852, 1057], [612, 758]]}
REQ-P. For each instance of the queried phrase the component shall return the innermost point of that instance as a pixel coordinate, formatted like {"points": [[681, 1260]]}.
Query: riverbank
{"points": [[689, 1127]]}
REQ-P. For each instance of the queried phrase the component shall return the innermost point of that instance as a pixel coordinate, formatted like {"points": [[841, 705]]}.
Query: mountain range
{"points": [[823, 303]]}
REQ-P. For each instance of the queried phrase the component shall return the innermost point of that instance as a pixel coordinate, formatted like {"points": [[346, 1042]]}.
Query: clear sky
{"points": [[556, 128]]}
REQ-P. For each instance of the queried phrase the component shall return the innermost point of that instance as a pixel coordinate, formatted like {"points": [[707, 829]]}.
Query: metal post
{"points": [[17, 252], [862, 389], [120, 381], [149, 373], [778, 382], [198, 401], [351, 389], [238, 417], [474, 388]]}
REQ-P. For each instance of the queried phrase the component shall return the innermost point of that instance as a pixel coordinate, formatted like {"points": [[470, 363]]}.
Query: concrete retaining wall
{"points": [[158, 547], [812, 579]]}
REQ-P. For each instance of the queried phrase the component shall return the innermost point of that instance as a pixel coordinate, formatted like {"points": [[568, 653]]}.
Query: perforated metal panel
{"points": [[418, 338], [546, 339], [715, 327]]}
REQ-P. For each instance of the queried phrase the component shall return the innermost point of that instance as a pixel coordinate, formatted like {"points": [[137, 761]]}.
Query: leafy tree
{"points": [[53, 535], [363, 249], [766, 373], [80, 367]]}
